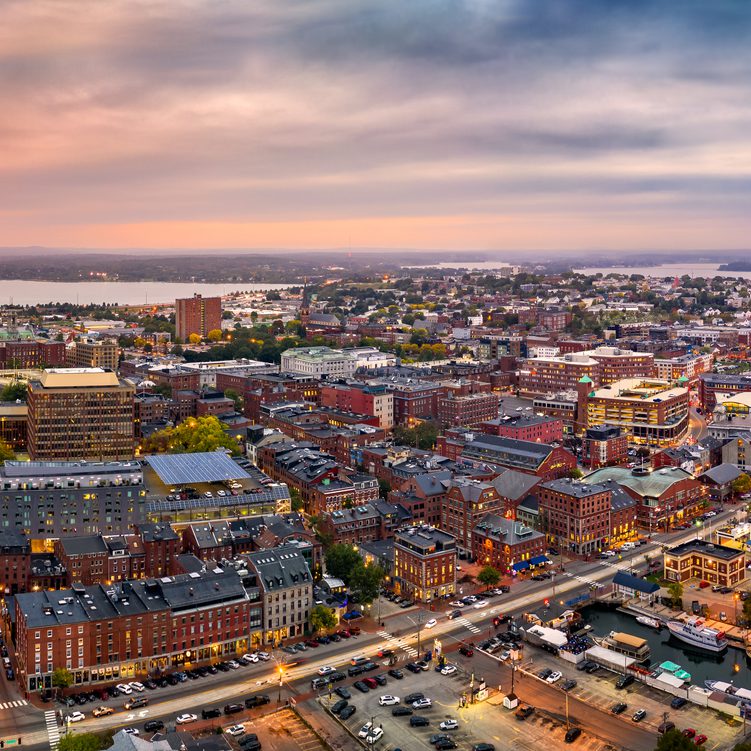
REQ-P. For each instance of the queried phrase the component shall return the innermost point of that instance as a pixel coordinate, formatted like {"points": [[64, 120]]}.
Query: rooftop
{"points": [[65, 378], [184, 469], [705, 547], [641, 390]]}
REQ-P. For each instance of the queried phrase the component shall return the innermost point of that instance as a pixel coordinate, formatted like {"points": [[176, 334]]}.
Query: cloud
{"points": [[233, 114]]}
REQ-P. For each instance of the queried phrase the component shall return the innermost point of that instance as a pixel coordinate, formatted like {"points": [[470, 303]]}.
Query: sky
{"points": [[478, 124]]}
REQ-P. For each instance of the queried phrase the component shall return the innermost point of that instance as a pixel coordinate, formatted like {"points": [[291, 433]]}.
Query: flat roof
{"points": [[640, 390], [63, 378], [184, 469]]}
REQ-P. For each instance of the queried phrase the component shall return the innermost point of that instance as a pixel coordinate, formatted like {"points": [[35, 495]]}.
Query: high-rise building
{"points": [[93, 353], [80, 413], [197, 315]]}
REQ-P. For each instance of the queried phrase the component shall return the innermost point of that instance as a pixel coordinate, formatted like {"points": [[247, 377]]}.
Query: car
{"points": [[422, 703], [374, 736], [454, 614], [344, 634], [102, 711], [335, 637], [151, 685], [249, 742], [723, 616], [572, 734], [554, 677], [449, 725], [423, 665], [432, 622], [406, 604], [700, 739], [447, 743], [370, 665], [233, 708], [124, 688], [678, 702], [523, 712], [466, 650], [326, 670], [300, 647], [361, 686], [592, 667], [153, 725], [347, 712], [365, 729], [338, 706], [413, 667], [136, 686], [323, 640], [437, 738], [483, 747], [413, 697], [619, 708], [343, 691], [545, 673], [380, 679], [504, 655], [265, 656], [208, 714], [401, 711], [132, 731], [457, 604], [417, 721], [448, 669], [639, 715], [233, 664], [725, 590], [354, 670], [76, 717], [385, 652], [288, 650], [665, 727], [703, 584], [716, 588], [370, 682], [257, 701], [396, 673], [388, 700], [689, 732], [624, 681], [479, 605], [569, 684]]}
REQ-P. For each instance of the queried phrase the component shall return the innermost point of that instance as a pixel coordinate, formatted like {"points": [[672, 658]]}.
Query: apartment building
{"points": [[197, 315], [424, 563]]}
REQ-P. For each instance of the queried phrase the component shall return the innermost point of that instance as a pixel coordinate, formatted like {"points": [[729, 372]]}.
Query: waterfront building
{"points": [[720, 565]]}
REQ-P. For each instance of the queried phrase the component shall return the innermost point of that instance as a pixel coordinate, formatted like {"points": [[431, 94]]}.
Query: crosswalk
{"points": [[398, 642], [583, 579], [468, 624], [53, 731], [11, 704]]}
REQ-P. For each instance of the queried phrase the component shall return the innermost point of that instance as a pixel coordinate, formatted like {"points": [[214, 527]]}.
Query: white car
{"points": [[448, 669], [609, 553], [432, 622], [480, 605], [554, 677], [184, 719], [365, 729], [457, 604], [132, 731], [136, 686], [374, 736], [236, 730], [76, 717], [221, 493], [449, 725], [326, 670], [422, 703], [265, 656], [504, 655], [234, 664], [388, 700], [124, 688], [250, 657]]}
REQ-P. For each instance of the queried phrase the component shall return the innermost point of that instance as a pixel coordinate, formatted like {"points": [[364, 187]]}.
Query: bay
{"points": [[28, 292], [706, 270]]}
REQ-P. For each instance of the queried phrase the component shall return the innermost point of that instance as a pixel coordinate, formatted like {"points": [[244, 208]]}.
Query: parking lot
{"points": [[281, 731]]}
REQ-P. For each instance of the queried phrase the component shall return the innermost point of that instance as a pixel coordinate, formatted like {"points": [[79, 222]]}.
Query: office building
{"points": [[322, 362], [93, 353]]}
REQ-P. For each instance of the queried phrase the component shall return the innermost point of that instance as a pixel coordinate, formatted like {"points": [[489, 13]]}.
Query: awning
{"points": [[520, 566], [538, 559]]}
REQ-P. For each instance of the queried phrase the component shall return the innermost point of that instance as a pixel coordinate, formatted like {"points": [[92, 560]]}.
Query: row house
{"points": [[94, 559]]}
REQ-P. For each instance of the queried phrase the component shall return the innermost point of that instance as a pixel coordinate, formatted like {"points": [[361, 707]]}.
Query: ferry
{"points": [[645, 620], [625, 644], [694, 632]]}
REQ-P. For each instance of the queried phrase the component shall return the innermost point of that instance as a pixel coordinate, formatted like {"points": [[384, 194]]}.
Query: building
{"points": [[209, 370], [322, 362], [161, 547], [467, 501], [540, 429], [603, 446], [576, 515], [93, 353], [466, 409], [101, 559], [549, 375], [424, 563], [15, 562], [352, 526], [19, 354], [690, 366], [650, 413], [197, 315], [616, 364], [720, 565], [507, 545], [14, 417], [286, 590], [80, 413], [719, 481], [109, 634], [361, 398], [562, 406], [714, 386]]}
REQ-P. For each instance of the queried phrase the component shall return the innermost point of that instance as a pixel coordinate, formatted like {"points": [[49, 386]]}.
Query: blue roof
{"points": [[520, 566], [634, 582], [183, 469]]}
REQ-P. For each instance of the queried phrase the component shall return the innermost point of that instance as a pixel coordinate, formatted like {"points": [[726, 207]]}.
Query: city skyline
{"points": [[574, 126]]}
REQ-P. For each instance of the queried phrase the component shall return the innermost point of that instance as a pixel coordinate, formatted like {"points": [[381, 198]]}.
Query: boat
{"points": [[626, 644], [645, 620], [694, 632], [674, 669], [730, 691]]}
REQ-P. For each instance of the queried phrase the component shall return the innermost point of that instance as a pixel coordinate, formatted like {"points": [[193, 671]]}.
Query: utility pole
{"points": [[567, 719]]}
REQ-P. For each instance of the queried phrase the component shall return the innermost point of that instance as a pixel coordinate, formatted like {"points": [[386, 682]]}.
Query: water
{"points": [[470, 265], [23, 292], [706, 270], [702, 665]]}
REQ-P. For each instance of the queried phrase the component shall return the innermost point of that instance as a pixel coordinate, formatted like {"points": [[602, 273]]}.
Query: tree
{"points": [[365, 582], [6, 452], [675, 590], [236, 398], [296, 498], [341, 560], [744, 746], [194, 339], [62, 678], [215, 335], [742, 484], [322, 618], [384, 488], [422, 436], [83, 742], [194, 435], [14, 391], [575, 473], [674, 740], [489, 576], [747, 610]]}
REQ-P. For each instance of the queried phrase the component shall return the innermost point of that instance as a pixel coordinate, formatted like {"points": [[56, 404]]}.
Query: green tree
{"points": [[384, 488], [14, 391], [296, 498], [215, 335], [6, 452], [575, 473], [742, 484], [62, 678], [365, 581], [83, 742], [194, 435], [322, 618], [489, 576], [341, 560], [236, 398], [675, 590], [674, 740], [744, 746], [422, 436]]}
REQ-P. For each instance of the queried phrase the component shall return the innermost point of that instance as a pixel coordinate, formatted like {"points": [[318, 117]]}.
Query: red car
{"points": [[700, 740], [373, 683], [703, 584], [689, 732], [344, 634]]}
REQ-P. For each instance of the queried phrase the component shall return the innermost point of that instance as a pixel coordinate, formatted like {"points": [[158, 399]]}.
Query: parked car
{"points": [[466, 650], [401, 711], [186, 718], [678, 702], [337, 707], [639, 715], [624, 681], [572, 734], [396, 673], [343, 692], [208, 714], [619, 708], [523, 712], [151, 726], [102, 711], [347, 712], [449, 725], [418, 721]]}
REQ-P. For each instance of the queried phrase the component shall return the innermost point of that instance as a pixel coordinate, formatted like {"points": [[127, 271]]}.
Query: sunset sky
{"points": [[484, 124]]}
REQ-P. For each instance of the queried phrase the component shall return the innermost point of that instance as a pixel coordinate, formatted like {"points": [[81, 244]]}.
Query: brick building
{"points": [[547, 375], [197, 315], [467, 409], [93, 353], [467, 501], [360, 398], [101, 559], [15, 562], [603, 446], [25, 353], [161, 546], [721, 565], [714, 385], [352, 526], [505, 544], [424, 563], [525, 428]]}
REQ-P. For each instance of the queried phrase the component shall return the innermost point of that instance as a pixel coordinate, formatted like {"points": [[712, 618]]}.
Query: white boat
{"points": [[645, 620], [694, 632]]}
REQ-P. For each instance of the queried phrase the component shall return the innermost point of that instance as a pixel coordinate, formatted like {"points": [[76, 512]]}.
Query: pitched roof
{"points": [[722, 474], [635, 583], [514, 485]]}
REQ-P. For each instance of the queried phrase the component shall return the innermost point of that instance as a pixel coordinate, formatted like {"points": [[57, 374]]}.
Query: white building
{"points": [[371, 358], [207, 370], [319, 361]]}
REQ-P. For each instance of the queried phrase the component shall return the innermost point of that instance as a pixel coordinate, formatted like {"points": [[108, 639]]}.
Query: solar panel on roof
{"points": [[183, 469]]}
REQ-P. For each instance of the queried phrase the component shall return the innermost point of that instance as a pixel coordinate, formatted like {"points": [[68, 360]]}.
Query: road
{"points": [[697, 425], [224, 688]]}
